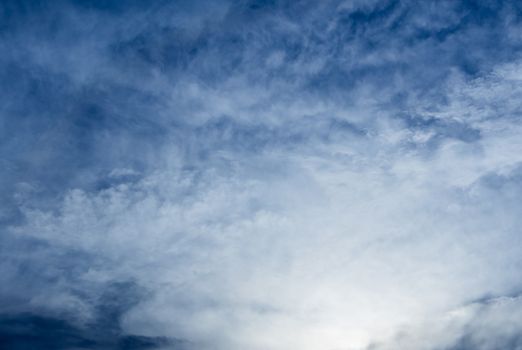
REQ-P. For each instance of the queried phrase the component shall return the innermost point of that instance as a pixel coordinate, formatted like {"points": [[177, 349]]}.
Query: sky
{"points": [[261, 175]]}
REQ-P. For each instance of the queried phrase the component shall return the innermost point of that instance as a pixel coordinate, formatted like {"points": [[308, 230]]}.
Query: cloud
{"points": [[265, 175], [488, 323]]}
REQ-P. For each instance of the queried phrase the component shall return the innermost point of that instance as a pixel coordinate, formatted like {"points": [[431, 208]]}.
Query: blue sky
{"points": [[260, 175]]}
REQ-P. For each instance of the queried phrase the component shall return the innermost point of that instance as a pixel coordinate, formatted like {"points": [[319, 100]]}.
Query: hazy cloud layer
{"points": [[261, 175]]}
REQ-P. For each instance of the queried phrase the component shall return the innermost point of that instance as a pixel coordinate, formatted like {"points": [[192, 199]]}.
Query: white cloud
{"points": [[328, 245], [344, 227]]}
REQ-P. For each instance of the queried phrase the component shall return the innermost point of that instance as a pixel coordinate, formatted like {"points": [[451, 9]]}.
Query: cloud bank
{"points": [[261, 175]]}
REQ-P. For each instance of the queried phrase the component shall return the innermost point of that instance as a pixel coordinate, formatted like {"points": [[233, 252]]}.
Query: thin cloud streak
{"points": [[268, 175]]}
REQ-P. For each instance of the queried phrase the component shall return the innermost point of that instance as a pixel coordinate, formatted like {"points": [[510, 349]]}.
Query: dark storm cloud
{"points": [[25, 331], [29, 330]]}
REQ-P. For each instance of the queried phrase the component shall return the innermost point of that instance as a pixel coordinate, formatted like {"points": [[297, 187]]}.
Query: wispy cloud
{"points": [[263, 175]]}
